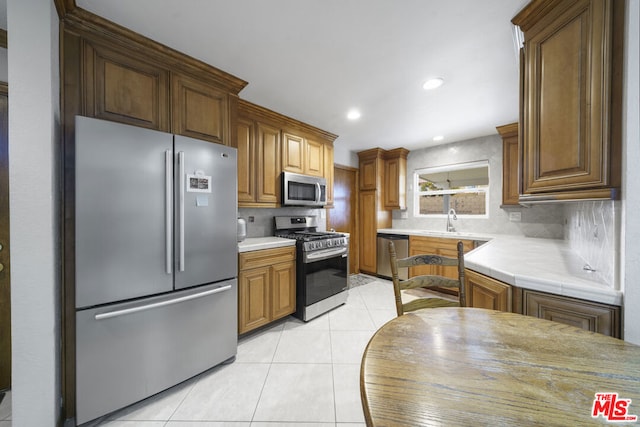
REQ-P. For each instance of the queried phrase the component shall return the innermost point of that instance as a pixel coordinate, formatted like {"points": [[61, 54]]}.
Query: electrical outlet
{"points": [[515, 216], [251, 219]]}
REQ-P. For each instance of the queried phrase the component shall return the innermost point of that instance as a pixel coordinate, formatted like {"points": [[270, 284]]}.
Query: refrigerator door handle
{"points": [[168, 207], [182, 184], [117, 313]]}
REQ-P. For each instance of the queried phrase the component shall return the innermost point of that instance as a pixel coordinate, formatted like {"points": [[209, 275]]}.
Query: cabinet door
{"points": [[392, 184], [268, 159], [253, 298], [486, 292], [587, 315], [328, 172], [368, 232], [510, 160], [283, 289], [126, 90], [293, 153], [199, 110], [421, 246], [368, 174], [314, 158], [245, 143], [566, 102]]}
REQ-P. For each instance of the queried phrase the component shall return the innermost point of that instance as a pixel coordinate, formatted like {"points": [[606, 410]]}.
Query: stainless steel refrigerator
{"points": [[155, 262]]}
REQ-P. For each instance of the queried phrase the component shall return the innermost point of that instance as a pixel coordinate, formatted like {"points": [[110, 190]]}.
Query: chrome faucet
{"points": [[450, 226]]}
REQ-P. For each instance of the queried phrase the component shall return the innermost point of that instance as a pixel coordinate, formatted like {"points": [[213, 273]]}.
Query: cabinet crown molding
{"points": [[96, 28], [506, 131]]}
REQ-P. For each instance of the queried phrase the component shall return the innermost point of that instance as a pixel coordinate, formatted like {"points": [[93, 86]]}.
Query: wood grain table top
{"points": [[476, 367]]}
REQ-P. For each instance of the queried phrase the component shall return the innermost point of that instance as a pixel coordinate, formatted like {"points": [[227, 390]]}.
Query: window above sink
{"points": [[463, 187]]}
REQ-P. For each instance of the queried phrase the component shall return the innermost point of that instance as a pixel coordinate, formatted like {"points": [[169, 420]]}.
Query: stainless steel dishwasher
{"points": [[401, 243]]}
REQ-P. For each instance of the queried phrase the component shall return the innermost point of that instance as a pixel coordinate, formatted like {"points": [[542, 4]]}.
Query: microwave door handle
{"points": [[318, 192]]}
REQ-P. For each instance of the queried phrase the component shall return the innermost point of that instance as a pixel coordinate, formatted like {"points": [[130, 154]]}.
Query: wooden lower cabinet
{"points": [[419, 245], [266, 286], [591, 316], [485, 292]]}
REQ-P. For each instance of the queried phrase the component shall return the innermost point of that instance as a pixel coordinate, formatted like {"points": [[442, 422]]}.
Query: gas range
{"points": [[303, 229], [322, 265]]}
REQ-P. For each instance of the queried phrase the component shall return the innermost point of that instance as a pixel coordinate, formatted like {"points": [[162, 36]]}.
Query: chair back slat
{"points": [[429, 282], [427, 260], [426, 281]]}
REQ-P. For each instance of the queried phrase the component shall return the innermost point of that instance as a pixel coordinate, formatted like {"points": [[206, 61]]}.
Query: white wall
{"points": [[631, 183], [34, 202], [537, 221]]}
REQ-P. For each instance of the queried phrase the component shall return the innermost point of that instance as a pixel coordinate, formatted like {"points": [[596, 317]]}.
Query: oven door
{"points": [[323, 274]]}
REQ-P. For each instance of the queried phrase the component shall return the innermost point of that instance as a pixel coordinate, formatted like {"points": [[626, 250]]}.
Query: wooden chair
{"points": [[427, 281]]}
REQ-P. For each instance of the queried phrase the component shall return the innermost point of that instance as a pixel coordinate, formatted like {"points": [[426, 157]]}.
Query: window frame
{"points": [[447, 168]]}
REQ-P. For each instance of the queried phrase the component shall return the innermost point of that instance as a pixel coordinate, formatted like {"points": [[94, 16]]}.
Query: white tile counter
{"points": [[546, 265], [259, 243]]}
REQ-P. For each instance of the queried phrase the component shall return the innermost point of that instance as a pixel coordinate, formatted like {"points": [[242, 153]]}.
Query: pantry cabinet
{"points": [[571, 99], [486, 292], [373, 214], [266, 286]]}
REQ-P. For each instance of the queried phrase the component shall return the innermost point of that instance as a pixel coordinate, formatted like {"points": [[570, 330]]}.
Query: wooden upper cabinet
{"points": [[329, 172], [302, 155], [571, 98], [245, 143], [371, 169], [268, 164], [395, 179], [314, 158], [510, 159], [293, 148], [124, 89], [200, 110]]}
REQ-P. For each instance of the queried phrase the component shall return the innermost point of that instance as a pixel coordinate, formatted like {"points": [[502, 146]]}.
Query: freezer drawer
{"points": [[401, 243], [127, 352]]}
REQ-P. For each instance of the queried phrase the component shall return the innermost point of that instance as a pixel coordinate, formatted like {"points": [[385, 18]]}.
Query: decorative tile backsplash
{"points": [[262, 224], [592, 230]]}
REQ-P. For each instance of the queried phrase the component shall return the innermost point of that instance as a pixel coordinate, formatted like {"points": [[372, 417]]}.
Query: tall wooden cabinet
{"points": [[571, 99], [373, 214]]}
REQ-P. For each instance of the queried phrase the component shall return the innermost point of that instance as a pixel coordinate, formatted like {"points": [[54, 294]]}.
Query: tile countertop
{"points": [[258, 243], [546, 265]]}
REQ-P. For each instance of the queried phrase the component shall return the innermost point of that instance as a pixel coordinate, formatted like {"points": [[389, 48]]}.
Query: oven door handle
{"points": [[324, 254]]}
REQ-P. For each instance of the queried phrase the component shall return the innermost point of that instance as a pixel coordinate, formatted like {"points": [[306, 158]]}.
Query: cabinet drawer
{"points": [[266, 257]]}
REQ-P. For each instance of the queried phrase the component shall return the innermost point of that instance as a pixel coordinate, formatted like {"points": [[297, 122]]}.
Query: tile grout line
{"points": [[251, 421]]}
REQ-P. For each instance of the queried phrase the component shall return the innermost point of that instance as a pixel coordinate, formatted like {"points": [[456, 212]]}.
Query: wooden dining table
{"points": [[476, 367]]}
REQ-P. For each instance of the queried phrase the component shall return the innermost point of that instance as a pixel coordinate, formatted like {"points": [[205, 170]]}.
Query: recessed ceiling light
{"points": [[353, 115], [433, 83], [438, 138]]}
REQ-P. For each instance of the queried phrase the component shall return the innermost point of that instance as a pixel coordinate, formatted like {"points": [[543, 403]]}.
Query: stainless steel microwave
{"points": [[303, 190]]}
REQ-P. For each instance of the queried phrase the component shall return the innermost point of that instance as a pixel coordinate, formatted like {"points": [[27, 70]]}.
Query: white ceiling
{"points": [[313, 60]]}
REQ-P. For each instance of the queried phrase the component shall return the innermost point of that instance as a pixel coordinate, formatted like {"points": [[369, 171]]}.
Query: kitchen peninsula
{"points": [[533, 276]]}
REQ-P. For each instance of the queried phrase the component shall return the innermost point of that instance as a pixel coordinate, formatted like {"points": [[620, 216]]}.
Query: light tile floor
{"points": [[289, 374]]}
